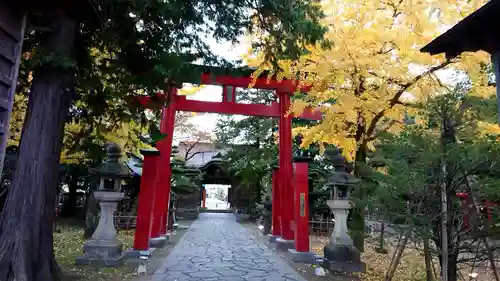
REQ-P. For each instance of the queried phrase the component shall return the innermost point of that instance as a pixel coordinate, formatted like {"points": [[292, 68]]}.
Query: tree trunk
{"points": [[357, 213], [428, 259], [444, 228], [452, 267], [452, 256], [91, 212], [398, 254], [26, 248]]}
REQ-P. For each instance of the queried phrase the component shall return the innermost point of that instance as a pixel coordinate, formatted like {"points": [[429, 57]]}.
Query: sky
{"points": [[206, 121]]}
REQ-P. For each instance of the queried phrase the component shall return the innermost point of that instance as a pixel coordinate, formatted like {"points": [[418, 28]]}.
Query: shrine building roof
{"points": [[479, 31]]}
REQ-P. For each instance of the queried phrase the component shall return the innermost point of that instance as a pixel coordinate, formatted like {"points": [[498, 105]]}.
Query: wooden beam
{"points": [[238, 77], [183, 104], [288, 86]]}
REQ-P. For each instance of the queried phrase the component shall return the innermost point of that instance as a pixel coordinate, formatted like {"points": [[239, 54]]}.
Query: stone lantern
{"points": [[103, 248], [267, 215], [340, 253]]}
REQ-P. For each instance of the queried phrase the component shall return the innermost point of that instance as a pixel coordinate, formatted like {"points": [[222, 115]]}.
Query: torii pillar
{"points": [[286, 241], [276, 207], [162, 194], [145, 208]]}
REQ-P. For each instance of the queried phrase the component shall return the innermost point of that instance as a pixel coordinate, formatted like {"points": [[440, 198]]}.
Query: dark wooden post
{"points": [[276, 204], [12, 25]]}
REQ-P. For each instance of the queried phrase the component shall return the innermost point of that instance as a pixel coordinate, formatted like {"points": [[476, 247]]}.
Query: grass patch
{"points": [[68, 243]]}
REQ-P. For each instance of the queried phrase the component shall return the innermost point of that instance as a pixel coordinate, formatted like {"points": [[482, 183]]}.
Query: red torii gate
{"points": [[156, 181], [464, 198]]}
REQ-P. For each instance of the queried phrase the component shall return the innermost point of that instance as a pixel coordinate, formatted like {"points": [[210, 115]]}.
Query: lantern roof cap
{"points": [[112, 167]]}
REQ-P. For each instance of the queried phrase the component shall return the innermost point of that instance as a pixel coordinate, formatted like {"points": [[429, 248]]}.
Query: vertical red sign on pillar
{"points": [[285, 163], [204, 198], [301, 208], [276, 204], [146, 195], [165, 148]]}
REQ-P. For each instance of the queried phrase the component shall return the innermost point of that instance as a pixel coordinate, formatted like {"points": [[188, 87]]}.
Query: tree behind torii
{"points": [[142, 42], [374, 70]]}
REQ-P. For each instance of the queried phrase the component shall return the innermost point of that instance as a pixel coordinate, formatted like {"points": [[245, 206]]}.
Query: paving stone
{"points": [[217, 248], [228, 272], [204, 274]]}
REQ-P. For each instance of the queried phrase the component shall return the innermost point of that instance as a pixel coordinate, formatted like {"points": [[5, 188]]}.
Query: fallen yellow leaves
{"points": [[68, 243]]}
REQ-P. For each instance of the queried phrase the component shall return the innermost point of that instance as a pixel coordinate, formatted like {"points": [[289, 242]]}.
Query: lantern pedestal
{"points": [[103, 249], [273, 238], [267, 217], [284, 245], [158, 242], [302, 257], [340, 253]]}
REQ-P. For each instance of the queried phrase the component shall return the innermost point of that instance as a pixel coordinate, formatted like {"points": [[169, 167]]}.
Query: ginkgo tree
{"points": [[373, 71]]}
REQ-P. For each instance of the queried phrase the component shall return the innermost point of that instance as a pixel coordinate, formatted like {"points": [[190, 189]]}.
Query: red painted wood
{"points": [[285, 160], [287, 86], [464, 201], [204, 198], [157, 200], [301, 187], [184, 104], [145, 208], [279, 175], [165, 148], [276, 205], [273, 110]]}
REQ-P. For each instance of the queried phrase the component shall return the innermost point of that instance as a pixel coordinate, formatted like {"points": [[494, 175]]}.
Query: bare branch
{"points": [[400, 92]]}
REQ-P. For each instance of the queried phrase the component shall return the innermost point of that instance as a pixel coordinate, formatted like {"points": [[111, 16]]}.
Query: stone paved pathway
{"points": [[217, 248]]}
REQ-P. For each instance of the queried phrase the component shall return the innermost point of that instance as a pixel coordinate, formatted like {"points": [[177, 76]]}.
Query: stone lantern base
{"points": [[340, 253], [101, 253], [343, 258], [104, 249]]}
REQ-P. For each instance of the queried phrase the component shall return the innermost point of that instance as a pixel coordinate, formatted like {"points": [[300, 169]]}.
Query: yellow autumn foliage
{"points": [[124, 134], [191, 90], [364, 83]]}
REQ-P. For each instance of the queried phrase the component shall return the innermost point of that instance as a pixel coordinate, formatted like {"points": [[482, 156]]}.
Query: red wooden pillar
{"points": [[276, 204], [285, 163], [146, 195], [159, 191], [489, 214], [465, 207], [162, 194], [204, 197], [301, 208]]}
